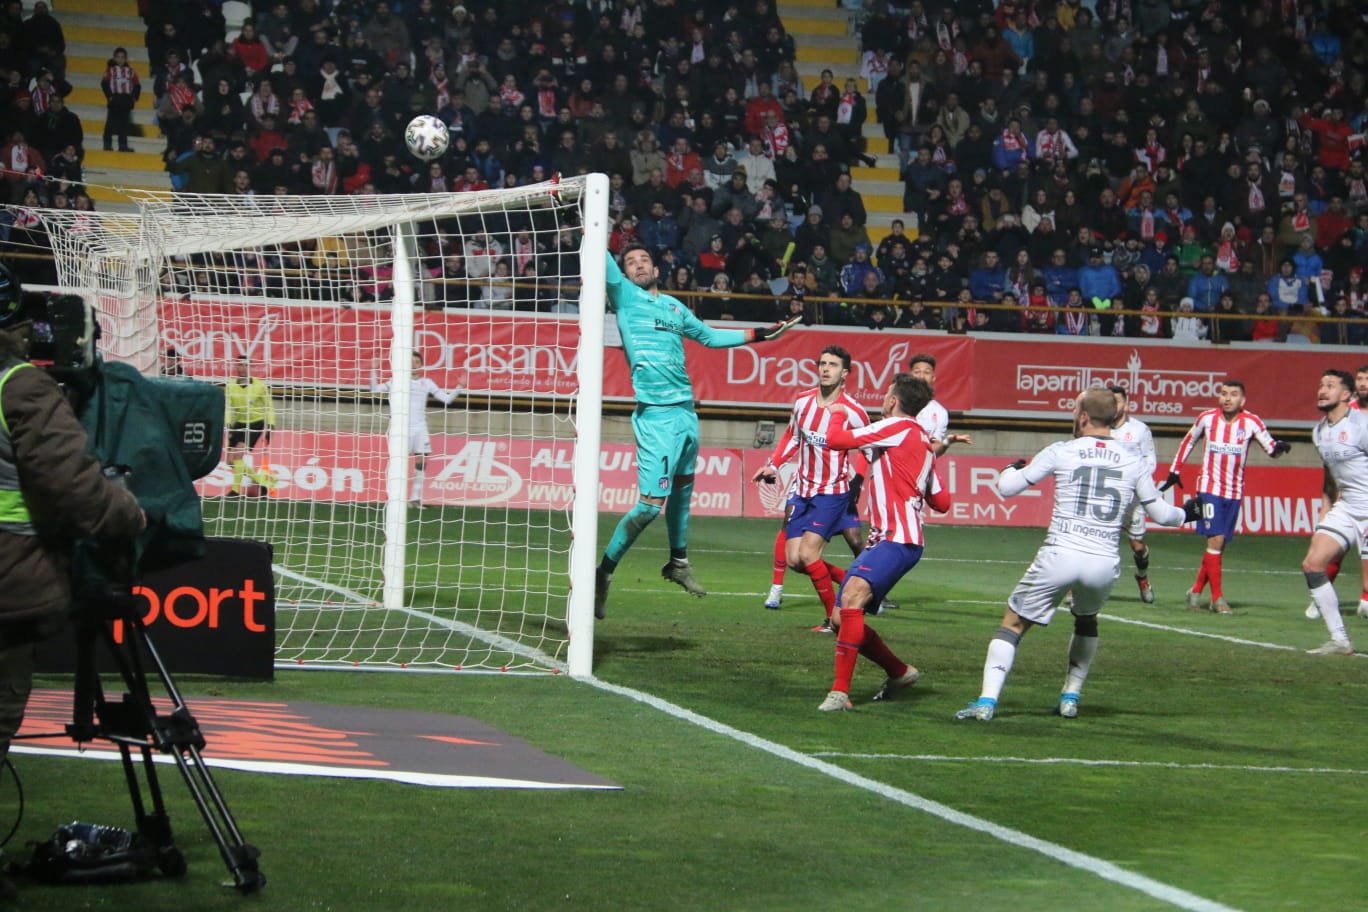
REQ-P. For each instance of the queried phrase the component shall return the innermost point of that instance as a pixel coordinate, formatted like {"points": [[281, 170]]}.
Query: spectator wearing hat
{"points": [[813, 231], [846, 236], [734, 194], [1187, 326]]}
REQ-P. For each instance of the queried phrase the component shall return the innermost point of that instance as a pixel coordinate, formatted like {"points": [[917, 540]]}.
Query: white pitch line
{"points": [[1080, 761], [1238, 641], [1174, 896]]}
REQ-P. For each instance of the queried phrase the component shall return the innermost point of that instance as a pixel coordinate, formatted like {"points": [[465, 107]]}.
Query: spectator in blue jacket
{"points": [[659, 230], [1306, 262], [987, 283], [1011, 147], [1206, 285], [1059, 277], [853, 273], [1287, 289], [1098, 279]]}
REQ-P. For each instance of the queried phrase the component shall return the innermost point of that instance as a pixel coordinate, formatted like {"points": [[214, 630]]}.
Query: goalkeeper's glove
{"points": [[1280, 447], [1192, 510], [1018, 465], [1173, 479], [267, 436], [856, 486], [769, 333]]}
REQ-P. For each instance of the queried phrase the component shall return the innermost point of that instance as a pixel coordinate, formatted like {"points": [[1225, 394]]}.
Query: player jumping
{"points": [[653, 327]]}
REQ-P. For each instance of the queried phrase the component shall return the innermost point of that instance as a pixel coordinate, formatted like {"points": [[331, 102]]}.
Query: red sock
{"points": [[874, 649], [1211, 562], [1200, 583], [837, 573], [780, 560], [1332, 570], [821, 581], [848, 641]]}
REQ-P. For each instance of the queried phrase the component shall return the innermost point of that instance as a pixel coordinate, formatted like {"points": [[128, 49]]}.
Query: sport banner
{"points": [[531, 475], [318, 345]]}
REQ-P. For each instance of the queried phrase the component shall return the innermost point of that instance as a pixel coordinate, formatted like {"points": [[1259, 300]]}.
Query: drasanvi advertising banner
{"points": [[320, 345]]}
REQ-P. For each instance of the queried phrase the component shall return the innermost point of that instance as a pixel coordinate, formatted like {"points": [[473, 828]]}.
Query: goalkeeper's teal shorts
{"points": [[667, 445]]}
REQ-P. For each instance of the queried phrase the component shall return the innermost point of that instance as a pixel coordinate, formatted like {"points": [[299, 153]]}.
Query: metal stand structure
{"points": [[133, 723]]}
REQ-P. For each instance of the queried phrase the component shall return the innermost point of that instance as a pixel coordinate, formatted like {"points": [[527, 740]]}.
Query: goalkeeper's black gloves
{"points": [[1280, 447], [268, 436], [856, 486], [1192, 510], [774, 331], [1018, 465], [1173, 479]]}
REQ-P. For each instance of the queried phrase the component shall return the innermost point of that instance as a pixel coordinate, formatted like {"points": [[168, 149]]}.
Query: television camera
{"points": [[155, 435]]}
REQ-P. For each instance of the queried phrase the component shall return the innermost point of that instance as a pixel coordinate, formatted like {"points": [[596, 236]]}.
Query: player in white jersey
{"points": [[1358, 403], [820, 497], [1342, 439], [1095, 481], [934, 419], [421, 389], [901, 479], [1228, 431], [1134, 435]]}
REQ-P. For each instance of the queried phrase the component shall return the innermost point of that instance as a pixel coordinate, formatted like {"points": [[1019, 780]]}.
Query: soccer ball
{"points": [[427, 137]]}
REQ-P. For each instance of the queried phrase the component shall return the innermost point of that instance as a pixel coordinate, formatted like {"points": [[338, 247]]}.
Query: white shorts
{"points": [[1134, 524], [1054, 572], [1344, 525], [420, 444]]}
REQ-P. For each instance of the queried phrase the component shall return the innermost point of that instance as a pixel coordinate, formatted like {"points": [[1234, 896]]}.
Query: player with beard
{"points": [[1357, 403], [653, 327]]}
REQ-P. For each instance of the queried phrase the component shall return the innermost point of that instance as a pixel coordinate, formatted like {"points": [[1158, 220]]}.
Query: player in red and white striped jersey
{"points": [[1228, 430], [1358, 403], [901, 479], [819, 500]]}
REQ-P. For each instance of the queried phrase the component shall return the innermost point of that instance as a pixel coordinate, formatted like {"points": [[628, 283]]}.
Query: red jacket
{"points": [[1332, 140]]}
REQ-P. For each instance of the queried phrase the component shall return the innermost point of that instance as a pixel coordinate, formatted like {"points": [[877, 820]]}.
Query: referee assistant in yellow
{"points": [[249, 415]]}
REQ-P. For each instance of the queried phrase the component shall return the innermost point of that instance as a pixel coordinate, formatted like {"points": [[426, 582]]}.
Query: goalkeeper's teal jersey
{"points": [[653, 327]]}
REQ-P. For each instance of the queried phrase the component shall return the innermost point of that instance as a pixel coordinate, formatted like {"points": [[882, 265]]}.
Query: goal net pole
{"points": [[589, 425], [401, 384]]}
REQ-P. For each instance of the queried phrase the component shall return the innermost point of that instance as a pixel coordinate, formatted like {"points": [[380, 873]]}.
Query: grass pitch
{"points": [[1214, 764]]}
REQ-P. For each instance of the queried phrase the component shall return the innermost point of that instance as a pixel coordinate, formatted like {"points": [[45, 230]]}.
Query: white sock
{"points": [[1328, 603], [1001, 655], [416, 486], [1082, 650]]}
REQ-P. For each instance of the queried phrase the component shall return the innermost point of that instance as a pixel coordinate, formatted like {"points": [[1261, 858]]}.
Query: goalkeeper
{"points": [[653, 327], [249, 415]]}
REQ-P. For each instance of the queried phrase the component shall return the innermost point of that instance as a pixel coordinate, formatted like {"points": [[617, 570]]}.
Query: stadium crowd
{"points": [[1145, 164]]}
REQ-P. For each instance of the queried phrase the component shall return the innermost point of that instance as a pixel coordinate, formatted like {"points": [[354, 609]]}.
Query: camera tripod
{"points": [[133, 724]]}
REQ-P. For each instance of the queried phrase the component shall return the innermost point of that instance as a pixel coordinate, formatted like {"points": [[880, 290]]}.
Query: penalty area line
{"points": [[1080, 761], [1106, 870]]}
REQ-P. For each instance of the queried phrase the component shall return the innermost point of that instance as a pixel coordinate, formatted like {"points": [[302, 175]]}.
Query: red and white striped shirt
{"points": [[901, 476], [820, 470], [1227, 448]]}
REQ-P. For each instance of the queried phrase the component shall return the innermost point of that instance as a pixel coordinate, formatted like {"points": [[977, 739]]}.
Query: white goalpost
{"points": [[406, 534]]}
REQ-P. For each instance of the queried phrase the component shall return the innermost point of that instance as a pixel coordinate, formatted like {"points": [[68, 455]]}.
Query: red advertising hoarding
{"points": [[325, 345]]}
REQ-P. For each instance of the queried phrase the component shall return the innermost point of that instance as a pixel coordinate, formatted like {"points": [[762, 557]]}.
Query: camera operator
{"points": [[52, 493]]}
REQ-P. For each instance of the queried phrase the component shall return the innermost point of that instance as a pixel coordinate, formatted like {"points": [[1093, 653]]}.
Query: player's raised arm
{"points": [[1017, 477]]}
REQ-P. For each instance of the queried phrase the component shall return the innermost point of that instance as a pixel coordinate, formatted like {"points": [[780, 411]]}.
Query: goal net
{"points": [[427, 455]]}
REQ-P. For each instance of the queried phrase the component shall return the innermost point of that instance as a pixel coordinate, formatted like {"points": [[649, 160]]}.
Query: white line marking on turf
{"points": [[1079, 761], [1182, 899], [1239, 641]]}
